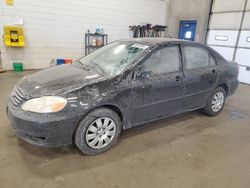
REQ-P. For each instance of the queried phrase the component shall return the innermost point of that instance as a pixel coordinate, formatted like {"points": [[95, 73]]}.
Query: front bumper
{"points": [[47, 130]]}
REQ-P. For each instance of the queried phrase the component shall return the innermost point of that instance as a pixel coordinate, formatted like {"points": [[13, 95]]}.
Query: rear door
{"points": [[200, 72], [157, 88]]}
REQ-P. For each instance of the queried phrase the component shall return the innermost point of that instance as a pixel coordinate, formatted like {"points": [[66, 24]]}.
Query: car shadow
{"points": [[52, 162]]}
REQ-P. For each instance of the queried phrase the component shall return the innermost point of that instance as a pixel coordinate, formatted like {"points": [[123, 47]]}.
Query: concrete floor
{"points": [[190, 150]]}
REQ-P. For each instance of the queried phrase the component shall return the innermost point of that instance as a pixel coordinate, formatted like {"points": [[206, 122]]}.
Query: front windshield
{"points": [[114, 58]]}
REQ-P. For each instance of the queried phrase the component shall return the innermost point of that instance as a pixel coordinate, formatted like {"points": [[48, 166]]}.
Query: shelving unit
{"points": [[94, 41]]}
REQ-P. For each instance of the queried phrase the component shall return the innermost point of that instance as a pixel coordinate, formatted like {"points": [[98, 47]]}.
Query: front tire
{"points": [[98, 131], [215, 102]]}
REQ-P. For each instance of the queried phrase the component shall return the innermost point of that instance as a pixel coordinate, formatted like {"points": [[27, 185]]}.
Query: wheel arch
{"points": [[115, 108], [225, 87]]}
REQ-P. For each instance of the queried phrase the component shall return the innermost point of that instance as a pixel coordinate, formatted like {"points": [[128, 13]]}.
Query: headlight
{"points": [[46, 104]]}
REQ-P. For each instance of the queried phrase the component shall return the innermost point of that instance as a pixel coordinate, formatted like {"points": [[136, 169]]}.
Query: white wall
{"points": [[55, 28]]}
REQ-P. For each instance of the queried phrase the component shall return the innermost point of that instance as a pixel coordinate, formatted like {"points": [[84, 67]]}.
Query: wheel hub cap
{"points": [[100, 133], [218, 101]]}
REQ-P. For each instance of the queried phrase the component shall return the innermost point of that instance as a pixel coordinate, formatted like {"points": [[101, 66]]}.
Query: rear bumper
{"points": [[41, 130]]}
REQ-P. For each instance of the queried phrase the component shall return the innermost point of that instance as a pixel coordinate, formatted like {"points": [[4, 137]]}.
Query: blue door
{"points": [[187, 29]]}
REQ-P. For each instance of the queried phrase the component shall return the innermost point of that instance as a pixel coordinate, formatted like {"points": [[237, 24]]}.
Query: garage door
{"points": [[229, 33]]}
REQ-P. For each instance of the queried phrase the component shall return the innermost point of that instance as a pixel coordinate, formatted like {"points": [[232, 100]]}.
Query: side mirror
{"points": [[145, 74], [139, 74]]}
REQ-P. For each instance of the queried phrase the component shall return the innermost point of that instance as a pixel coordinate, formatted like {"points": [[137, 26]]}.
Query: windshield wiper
{"points": [[100, 68], [82, 65]]}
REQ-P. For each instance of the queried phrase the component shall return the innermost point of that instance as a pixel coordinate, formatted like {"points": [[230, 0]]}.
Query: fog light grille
{"points": [[17, 96]]}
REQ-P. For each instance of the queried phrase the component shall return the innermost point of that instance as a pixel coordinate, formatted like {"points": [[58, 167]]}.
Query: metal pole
{"points": [[209, 18], [239, 33]]}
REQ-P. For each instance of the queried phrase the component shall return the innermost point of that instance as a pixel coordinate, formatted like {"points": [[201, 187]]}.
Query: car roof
{"points": [[155, 41]]}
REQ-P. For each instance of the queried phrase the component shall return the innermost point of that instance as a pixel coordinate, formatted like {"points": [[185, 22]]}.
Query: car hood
{"points": [[58, 80]]}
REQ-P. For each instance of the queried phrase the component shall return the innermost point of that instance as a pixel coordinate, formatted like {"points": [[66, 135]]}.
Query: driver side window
{"points": [[164, 60]]}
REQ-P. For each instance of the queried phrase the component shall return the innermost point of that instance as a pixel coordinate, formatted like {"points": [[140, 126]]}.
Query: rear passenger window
{"points": [[165, 60], [196, 57]]}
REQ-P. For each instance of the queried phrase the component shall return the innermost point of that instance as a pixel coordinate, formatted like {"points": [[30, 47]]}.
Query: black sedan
{"points": [[124, 84]]}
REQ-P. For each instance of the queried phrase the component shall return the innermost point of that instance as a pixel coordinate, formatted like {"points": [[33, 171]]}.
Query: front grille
{"points": [[17, 96]]}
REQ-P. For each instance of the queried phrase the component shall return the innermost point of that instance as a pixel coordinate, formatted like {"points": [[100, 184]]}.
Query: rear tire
{"points": [[215, 102], [98, 131]]}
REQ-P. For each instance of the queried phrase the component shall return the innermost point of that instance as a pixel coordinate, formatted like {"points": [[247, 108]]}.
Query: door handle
{"points": [[178, 78]]}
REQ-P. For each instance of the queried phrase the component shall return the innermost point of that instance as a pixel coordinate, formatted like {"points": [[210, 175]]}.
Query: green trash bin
{"points": [[18, 67]]}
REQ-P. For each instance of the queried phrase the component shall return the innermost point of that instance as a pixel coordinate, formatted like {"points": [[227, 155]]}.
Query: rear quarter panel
{"points": [[228, 74]]}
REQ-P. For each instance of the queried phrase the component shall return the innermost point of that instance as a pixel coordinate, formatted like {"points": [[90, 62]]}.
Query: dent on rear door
{"points": [[197, 87]]}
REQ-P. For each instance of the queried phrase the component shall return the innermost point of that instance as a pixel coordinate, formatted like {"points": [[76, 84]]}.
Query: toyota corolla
{"points": [[122, 85]]}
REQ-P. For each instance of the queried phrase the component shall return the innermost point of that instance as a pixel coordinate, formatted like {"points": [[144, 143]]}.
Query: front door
{"points": [[200, 76], [157, 88]]}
